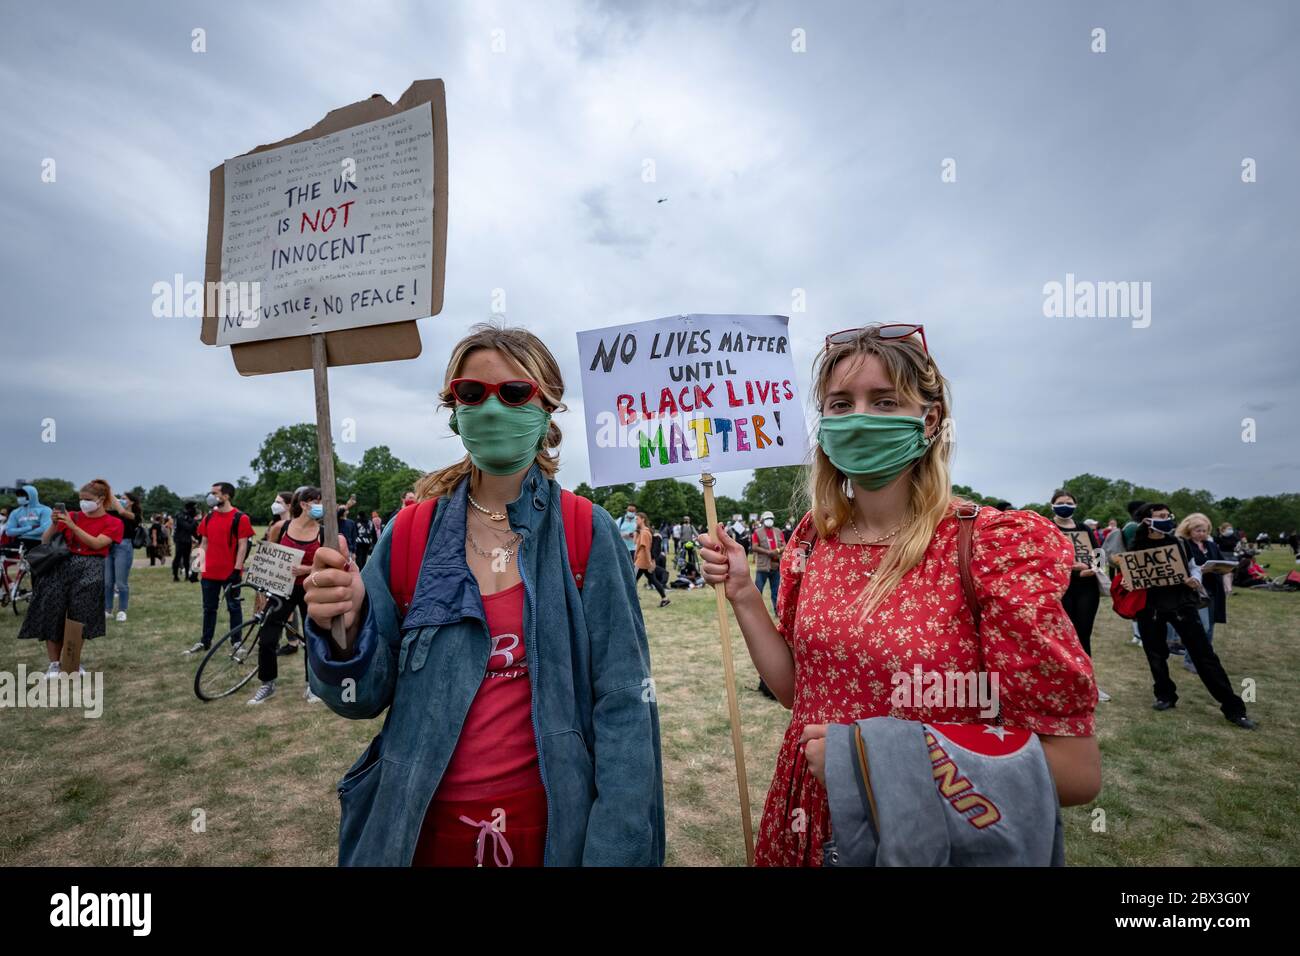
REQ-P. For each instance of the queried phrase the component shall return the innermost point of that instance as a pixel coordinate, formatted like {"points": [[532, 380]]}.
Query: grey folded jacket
{"points": [[940, 795]]}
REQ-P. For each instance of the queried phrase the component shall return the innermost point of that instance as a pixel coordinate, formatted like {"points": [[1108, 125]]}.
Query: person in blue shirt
{"points": [[28, 521], [627, 528]]}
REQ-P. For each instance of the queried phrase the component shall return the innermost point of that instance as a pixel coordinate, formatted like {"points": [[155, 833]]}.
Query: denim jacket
{"points": [[595, 720]]}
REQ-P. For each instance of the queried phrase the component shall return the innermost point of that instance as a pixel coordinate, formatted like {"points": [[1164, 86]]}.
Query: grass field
{"points": [[1180, 788]]}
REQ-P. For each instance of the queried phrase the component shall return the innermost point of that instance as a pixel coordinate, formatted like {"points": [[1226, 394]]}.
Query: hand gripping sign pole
{"points": [[729, 675], [324, 248], [693, 395]]}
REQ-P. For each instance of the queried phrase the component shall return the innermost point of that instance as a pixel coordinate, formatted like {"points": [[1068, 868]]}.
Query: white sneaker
{"points": [[309, 697], [121, 616], [1102, 696], [264, 692], [52, 670], [196, 649], [1135, 640]]}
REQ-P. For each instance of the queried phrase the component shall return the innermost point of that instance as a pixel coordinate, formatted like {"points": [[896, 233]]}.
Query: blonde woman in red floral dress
{"points": [[871, 590]]}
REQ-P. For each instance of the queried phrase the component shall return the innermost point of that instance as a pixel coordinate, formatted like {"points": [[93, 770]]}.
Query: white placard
{"points": [[335, 232], [689, 394], [271, 568]]}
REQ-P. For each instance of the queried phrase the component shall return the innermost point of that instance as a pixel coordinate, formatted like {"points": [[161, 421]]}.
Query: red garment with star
{"points": [[845, 665]]}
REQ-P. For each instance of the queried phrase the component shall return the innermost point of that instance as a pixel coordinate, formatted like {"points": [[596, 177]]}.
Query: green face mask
{"points": [[872, 450], [501, 439]]}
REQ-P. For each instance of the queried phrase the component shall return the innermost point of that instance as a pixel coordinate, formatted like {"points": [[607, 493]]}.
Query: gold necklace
{"points": [[884, 537], [494, 515], [507, 531]]}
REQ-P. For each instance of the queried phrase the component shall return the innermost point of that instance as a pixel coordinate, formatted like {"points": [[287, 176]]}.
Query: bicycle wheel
{"points": [[230, 664], [21, 592]]}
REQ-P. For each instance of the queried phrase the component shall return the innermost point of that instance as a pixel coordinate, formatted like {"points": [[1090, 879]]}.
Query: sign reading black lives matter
{"points": [[1152, 567], [271, 568], [1082, 546]]}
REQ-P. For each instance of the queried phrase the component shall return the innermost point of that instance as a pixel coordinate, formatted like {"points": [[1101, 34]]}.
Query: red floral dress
{"points": [[845, 665]]}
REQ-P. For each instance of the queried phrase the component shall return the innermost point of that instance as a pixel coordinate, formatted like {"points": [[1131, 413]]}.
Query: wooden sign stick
{"points": [[325, 455], [729, 673]]}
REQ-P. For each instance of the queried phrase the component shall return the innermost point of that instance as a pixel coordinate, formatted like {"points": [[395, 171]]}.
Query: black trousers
{"points": [[272, 628], [1186, 623], [181, 563], [652, 578], [362, 555], [1080, 601]]}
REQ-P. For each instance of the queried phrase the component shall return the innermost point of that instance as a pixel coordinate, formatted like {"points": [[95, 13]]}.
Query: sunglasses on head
{"points": [[515, 392], [896, 331]]}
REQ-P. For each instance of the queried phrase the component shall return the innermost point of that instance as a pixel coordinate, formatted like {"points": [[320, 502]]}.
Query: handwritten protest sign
{"points": [[271, 568], [1152, 567], [336, 232], [331, 242], [321, 229], [1082, 546], [690, 394]]}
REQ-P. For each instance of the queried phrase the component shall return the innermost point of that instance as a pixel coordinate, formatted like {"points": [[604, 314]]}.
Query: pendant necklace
{"points": [[494, 515]]}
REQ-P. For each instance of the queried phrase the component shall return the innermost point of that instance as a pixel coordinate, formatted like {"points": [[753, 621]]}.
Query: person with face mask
{"points": [[224, 535], [1083, 596], [767, 544], [73, 591], [870, 590], [279, 514], [29, 519], [303, 532], [627, 529], [1177, 605], [516, 683]]}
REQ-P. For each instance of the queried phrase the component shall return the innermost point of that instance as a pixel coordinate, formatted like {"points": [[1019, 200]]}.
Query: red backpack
{"points": [[411, 535]]}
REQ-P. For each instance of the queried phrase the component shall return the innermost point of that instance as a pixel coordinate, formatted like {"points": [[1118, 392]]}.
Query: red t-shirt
{"points": [[219, 550], [105, 524], [497, 752]]}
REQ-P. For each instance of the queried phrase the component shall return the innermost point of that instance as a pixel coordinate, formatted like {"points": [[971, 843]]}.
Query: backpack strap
{"points": [[575, 510], [406, 549], [965, 534]]}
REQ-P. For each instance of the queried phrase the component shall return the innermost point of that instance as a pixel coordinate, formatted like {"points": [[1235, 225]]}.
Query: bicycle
{"points": [[20, 588], [231, 662]]}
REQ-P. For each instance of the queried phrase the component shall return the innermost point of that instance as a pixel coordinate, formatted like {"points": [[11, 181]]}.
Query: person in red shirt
{"points": [[223, 534], [73, 591]]}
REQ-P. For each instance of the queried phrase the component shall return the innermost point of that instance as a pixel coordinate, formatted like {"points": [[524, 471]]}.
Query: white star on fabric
{"points": [[997, 731]]}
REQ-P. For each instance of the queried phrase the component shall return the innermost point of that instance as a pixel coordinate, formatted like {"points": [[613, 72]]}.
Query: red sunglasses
{"points": [[471, 391], [883, 331]]}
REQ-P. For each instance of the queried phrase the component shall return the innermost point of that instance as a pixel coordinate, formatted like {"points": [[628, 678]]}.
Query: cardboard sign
{"points": [[1082, 546], [353, 249], [271, 568], [690, 394], [1152, 567]]}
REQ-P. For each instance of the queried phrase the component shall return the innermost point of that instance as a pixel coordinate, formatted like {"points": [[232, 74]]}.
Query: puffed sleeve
{"points": [[1021, 565], [793, 561]]}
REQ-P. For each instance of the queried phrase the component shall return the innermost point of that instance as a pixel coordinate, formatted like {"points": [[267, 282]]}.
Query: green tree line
{"points": [[287, 459]]}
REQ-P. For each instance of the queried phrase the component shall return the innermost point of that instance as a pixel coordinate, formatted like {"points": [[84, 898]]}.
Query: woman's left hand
{"points": [[813, 741]]}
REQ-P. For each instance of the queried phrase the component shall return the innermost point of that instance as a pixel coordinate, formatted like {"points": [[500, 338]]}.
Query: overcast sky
{"points": [[816, 170]]}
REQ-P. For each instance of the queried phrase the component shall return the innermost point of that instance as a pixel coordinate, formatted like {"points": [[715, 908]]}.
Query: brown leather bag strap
{"points": [[965, 535]]}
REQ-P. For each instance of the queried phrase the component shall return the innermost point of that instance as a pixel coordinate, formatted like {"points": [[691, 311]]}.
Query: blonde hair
{"points": [[917, 379], [529, 353], [1184, 529]]}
